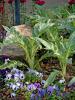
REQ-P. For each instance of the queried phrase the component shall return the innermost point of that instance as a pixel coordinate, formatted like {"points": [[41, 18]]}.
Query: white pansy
{"points": [[62, 81], [14, 87], [8, 76], [22, 76], [13, 94], [6, 60], [43, 82], [40, 75]]}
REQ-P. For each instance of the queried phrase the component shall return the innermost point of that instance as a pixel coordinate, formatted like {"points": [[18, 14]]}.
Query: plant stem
{"points": [[63, 67], [64, 71]]}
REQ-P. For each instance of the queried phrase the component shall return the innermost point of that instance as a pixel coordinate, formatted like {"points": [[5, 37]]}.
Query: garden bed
{"points": [[37, 62]]}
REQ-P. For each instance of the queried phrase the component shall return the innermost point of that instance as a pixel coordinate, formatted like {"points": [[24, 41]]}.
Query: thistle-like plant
{"points": [[61, 48], [29, 45]]}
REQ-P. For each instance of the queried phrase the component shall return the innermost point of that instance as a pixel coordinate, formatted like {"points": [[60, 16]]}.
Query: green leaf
{"points": [[7, 29], [42, 27], [71, 81], [48, 45], [11, 64], [70, 44], [51, 78]]}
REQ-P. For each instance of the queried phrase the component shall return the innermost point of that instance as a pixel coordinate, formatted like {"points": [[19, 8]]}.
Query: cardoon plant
{"points": [[61, 48], [28, 44]]}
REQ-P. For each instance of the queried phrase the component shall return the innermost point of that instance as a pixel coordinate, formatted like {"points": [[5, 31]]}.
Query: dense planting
{"points": [[48, 53]]}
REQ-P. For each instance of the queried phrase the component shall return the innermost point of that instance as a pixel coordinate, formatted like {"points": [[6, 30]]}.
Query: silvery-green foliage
{"points": [[28, 44], [62, 48]]}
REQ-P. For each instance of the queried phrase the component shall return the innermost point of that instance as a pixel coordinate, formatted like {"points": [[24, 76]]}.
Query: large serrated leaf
{"points": [[71, 81], [51, 78]]}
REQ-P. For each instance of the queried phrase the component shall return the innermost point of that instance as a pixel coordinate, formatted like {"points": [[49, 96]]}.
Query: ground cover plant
{"points": [[53, 34]]}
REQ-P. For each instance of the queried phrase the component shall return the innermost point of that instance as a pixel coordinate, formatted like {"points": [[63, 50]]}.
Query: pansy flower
{"points": [[13, 94], [14, 87], [50, 90], [31, 87], [8, 76], [22, 76], [38, 85], [41, 92]]}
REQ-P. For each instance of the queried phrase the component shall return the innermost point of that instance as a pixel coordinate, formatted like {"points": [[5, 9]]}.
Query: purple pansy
{"points": [[41, 92], [3, 71], [38, 85], [31, 87], [32, 96], [50, 90]]}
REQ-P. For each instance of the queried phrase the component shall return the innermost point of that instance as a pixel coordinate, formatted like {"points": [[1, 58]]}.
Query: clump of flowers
{"points": [[14, 79], [38, 92]]}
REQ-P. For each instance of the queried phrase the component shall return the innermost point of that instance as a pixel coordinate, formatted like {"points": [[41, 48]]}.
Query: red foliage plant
{"points": [[22, 1], [71, 2], [40, 2]]}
